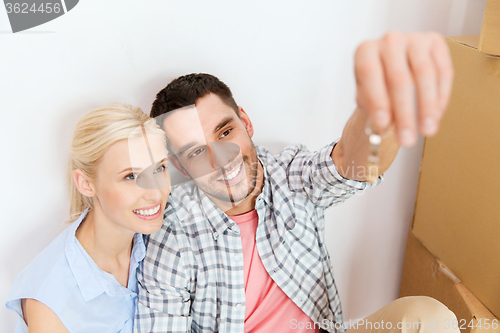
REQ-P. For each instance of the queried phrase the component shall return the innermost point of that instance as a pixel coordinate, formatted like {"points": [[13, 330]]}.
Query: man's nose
{"points": [[220, 154], [223, 153], [150, 179]]}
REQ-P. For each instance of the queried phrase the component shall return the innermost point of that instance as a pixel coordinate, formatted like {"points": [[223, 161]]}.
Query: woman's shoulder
{"points": [[65, 279], [48, 278]]}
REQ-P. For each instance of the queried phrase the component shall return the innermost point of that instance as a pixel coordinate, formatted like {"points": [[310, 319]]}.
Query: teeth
{"points": [[147, 212], [232, 174]]}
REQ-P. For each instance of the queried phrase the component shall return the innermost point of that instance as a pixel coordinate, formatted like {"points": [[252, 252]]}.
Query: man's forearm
{"points": [[350, 155]]}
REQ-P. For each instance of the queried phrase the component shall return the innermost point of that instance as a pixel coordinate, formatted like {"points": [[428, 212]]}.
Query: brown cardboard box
{"points": [[424, 275], [457, 213]]}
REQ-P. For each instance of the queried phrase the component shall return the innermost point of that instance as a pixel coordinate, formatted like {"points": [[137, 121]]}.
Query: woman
{"points": [[85, 280]]}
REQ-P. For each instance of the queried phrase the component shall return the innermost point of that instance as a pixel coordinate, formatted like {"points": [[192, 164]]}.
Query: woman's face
{"points": [[120, 198]]}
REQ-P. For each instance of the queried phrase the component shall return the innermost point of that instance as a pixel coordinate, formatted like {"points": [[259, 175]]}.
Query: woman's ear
{"points": [[175, 162], [83, 183], [246, 120]]}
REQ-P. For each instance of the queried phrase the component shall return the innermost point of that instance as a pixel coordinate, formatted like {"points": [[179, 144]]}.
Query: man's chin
{"points": [[235, 198]]}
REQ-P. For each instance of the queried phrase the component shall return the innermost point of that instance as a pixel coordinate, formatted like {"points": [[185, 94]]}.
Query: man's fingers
{"points": [[394, 71], [400, 86], [371, 90], [441, 55], [425, 77]]}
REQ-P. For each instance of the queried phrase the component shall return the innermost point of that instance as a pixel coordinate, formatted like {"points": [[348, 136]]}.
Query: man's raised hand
{"points": [[394, 70]]}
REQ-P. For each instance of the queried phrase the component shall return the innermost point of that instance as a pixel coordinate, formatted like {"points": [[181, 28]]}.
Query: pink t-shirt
{"points": [[268, 308]]}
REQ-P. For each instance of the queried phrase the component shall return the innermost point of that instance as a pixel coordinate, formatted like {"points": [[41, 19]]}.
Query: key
{"points": [[373, 157]]}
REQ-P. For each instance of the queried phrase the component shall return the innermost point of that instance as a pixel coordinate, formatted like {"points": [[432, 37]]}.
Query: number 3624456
{"points": [[48, 8]]}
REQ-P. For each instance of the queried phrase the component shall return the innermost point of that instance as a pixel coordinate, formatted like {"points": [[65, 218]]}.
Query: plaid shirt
{"points": [[192, 277]]}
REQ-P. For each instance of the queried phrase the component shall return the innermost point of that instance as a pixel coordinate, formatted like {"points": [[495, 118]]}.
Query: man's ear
{"points": [[175, 162], [246, 120], [83, 183]]}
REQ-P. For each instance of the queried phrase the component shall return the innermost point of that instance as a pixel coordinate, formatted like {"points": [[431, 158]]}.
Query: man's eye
{"points": [[197, 152], [131, 176], [161, 168], [226, 133]]}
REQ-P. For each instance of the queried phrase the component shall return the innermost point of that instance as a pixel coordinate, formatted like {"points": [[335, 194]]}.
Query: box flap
{"points": [[477, 308], [422, 276], [489, 42], [472, 40]]}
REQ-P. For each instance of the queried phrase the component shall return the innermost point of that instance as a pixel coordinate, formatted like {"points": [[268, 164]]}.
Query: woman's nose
{"points": [[153, 195]]}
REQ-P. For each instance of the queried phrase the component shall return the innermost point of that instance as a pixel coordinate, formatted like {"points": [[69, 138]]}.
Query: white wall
{"points": [[289, 65]]}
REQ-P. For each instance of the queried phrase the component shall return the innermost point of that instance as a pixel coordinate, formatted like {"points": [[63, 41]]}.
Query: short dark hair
{"points": [[187, 89]]}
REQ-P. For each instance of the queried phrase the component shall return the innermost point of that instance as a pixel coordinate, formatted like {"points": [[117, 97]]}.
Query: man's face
{"points": [[213, 146]]}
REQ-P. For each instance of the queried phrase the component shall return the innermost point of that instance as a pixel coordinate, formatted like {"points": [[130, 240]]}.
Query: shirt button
{"points": [[238, 305], [236, 257]]}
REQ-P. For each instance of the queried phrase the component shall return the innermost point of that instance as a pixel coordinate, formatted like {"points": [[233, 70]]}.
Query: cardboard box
{"points": [[424, 275], [457, 212]]}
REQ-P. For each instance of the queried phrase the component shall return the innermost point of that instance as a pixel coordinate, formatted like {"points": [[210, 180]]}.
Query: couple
{"points": [[241, 247]]}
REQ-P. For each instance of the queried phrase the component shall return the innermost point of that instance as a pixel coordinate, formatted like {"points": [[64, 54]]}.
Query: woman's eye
{"points": [[131, 176], [226, 133], [161, 168]]}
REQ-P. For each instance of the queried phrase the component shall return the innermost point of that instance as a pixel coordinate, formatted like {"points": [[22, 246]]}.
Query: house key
{"points": [[373, 158]]}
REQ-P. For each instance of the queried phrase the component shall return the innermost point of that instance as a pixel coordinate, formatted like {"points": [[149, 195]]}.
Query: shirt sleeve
{"points": [[164, 300], [315, 175], [21, 326]]}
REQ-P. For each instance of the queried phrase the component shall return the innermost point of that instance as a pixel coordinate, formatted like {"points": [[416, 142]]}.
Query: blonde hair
{"points": [[93, 135]]}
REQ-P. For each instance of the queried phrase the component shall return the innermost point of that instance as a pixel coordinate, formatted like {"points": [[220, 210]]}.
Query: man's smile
{"points": [[233, 176]]}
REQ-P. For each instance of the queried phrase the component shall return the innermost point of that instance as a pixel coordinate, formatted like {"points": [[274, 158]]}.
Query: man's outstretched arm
{"points": [[392, 75]]}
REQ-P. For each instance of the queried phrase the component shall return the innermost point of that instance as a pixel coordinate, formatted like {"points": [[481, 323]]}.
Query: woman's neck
{"points": [[109, 245]]}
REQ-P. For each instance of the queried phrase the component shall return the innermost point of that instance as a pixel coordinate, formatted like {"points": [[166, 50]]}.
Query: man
{"points": [[242, 247]]}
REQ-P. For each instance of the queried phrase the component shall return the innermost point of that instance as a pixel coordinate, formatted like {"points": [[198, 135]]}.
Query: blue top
{"points": [[69, 282]]}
